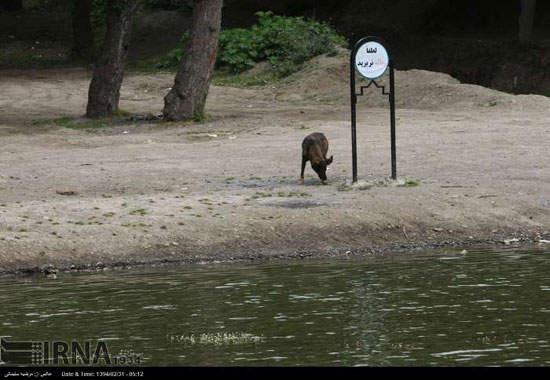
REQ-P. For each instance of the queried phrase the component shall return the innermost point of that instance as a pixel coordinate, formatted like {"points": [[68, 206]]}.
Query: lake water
{"points": [[483, 307]]}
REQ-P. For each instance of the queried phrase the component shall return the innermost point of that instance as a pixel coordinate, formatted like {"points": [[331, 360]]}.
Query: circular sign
{"points": [[372, 60]]}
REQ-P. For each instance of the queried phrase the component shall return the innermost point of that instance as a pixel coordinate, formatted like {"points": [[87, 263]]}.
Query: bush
{"points": [[239, 49], [285, 42], [173, 58]]}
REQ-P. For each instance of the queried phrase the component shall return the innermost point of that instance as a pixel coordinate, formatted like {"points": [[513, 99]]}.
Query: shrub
{"points": [[285, 42], [97, 14], [239, 49], [173, 58]]}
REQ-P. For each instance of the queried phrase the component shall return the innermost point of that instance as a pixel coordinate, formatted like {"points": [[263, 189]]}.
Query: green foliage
{"points": [[240, 49], [174, 57], [139, 211], [78, 123], [345, 187], [285, 42], [411, 182], [199, 115], [97, 15]]}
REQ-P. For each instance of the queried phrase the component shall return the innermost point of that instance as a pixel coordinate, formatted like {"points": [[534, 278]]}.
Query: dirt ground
{"points": [[227, 188]]}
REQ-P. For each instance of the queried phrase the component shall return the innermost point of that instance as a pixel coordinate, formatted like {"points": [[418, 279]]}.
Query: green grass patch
{"points": [[293, 194], [206, 201], [200, 116], [411, 182], [139, 211], [345, 187], [136, 225], [261, 194]]}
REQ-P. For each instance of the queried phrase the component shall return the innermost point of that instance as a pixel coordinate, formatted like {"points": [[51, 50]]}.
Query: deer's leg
{"points": [[304, 160]]}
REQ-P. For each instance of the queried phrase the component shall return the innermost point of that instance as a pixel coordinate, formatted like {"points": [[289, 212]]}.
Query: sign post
{"points": [[371, 59]]}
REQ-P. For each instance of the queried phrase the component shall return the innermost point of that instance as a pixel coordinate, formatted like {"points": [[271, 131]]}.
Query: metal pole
{"points": [[353, 98], [392, 123]]}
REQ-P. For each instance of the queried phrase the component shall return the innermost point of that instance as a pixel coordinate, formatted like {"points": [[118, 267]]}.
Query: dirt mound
{"points": [[326, 79]]}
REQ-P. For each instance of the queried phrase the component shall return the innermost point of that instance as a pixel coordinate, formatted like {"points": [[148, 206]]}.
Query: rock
{"points": [[509, 241], [361, 185]]}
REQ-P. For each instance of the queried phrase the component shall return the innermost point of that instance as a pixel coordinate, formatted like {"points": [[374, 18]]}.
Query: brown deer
{"points": [[314, 149]]}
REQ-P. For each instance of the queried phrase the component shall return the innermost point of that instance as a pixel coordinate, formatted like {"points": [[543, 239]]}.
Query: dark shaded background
{"points": [[474, 41]]}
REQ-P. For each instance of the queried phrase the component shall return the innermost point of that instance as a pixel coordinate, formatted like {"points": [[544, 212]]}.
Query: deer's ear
{"points": [[329, 161]]}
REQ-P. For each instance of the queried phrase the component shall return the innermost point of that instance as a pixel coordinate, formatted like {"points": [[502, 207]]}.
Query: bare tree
{"points": [[187, 97], [526, 20], [83, 37], [104, 91]]}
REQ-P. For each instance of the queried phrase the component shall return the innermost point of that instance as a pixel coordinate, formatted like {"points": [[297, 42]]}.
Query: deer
{"points": [[314, 149]]}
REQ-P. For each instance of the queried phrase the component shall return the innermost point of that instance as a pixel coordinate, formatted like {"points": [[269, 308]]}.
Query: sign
{"points": [[372, 60]]}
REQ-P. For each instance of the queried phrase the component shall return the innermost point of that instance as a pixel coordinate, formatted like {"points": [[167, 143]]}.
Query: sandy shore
{"points": [[227, 189]]}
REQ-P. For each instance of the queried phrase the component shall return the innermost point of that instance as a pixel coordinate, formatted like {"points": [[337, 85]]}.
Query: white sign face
{"points": [[371, 60]]}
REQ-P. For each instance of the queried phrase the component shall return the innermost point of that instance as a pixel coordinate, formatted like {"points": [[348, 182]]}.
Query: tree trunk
{"points": [[187, 97], [526, 20], [11, 5], [82, 30], [104, 91]]}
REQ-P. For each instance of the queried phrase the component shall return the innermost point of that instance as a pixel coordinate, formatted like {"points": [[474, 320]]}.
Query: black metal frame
{"points": [[354, 96]]}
